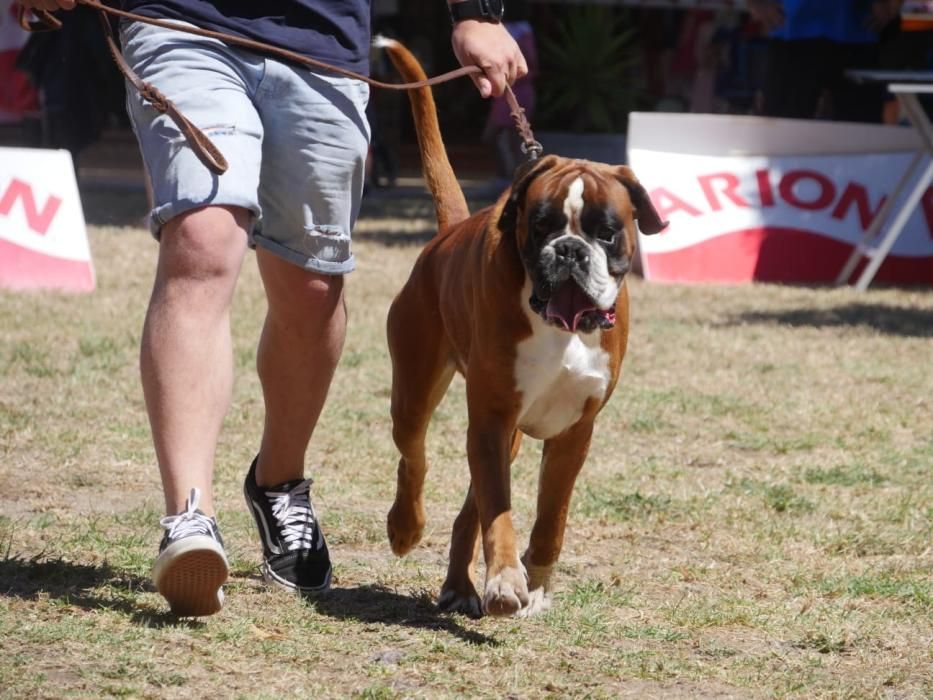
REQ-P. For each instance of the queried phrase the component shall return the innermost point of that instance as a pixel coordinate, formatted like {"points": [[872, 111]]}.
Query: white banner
{"points": [[834, 196], [743, 214], [43, 238]]}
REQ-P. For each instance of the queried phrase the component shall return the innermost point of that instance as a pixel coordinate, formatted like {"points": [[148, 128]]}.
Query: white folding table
{"points": [[906, 86]]}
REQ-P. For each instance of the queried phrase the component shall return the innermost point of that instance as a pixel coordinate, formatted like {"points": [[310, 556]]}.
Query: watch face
{"points": [[496, 8]]}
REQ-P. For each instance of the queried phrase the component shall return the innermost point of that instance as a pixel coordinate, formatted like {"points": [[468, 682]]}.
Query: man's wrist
{"points": [[482, 10]]}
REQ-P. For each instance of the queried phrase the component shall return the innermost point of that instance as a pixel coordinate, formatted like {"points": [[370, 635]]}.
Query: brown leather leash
{"points": [[202, 146]]}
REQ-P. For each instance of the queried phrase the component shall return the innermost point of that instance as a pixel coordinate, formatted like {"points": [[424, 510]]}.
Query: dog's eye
{"points": [[543, 228], [606, 234]]}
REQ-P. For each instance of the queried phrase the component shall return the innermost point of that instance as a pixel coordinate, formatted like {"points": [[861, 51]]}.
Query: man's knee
{"points": [[204, 244], [294, 290], [326, 289], [312, 297]]}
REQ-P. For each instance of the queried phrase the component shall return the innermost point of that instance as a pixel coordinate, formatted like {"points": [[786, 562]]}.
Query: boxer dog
{"points": [[527, 300]]}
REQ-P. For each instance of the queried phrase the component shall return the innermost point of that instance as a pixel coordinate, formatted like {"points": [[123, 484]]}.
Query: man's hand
{"points": [[768, 13], [491, 47], [50, 5]]}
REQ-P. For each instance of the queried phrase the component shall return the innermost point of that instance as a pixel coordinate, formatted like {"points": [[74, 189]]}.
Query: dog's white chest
{"points": [[556, 373]]}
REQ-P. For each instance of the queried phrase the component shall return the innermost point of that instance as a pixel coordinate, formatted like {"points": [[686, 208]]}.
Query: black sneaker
{"points": [[191, 566], [294, 551]]}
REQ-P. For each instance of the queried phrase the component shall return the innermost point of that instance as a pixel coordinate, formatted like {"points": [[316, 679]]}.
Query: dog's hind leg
{"points": [[421, 372], [458, 594], [561, 462]]}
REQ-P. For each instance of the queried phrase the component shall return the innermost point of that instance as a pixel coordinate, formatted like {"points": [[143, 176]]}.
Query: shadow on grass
{"points": [[883, 318], [377, 604], [78, 584]]}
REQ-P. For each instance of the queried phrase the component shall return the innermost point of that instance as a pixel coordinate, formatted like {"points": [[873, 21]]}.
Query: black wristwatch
{"points": [[489, 10]]}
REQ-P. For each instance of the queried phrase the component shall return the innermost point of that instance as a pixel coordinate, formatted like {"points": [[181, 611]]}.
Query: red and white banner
{"points": [[772, 200], [43, 238], [17, 96]]}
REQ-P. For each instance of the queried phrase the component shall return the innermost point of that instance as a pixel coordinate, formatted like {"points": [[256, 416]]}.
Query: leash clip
{"points": [[532, 149]]}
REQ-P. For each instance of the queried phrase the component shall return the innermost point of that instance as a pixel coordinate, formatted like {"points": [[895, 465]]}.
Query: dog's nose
{"points": [[572, 250]]}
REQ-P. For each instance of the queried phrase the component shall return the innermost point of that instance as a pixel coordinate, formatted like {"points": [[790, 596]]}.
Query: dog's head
{"points": [[574, 224]]}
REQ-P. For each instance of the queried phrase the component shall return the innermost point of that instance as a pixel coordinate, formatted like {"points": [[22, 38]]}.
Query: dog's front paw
{"points": [[506, 592], [404, 525], [539, 588], [466, 601], [539, 600]]}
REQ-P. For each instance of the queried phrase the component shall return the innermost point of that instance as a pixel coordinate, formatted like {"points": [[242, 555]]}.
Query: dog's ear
{"points": [[648, 220], [524, 175]]}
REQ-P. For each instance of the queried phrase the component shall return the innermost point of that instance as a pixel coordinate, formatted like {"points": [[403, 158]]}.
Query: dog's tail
{"points": [[449, 202]]}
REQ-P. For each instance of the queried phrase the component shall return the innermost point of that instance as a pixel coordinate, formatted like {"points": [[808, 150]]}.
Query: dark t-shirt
{"points": [[335, 31]]}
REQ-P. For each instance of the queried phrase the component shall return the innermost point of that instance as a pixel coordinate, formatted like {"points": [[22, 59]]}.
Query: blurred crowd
{"points": [[783, 58]]}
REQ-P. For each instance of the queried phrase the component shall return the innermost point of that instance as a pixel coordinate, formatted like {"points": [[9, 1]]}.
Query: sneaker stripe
{"points": [[265, 532], [295, 555]]}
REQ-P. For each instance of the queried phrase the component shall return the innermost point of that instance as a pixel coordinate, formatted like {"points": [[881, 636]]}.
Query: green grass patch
{"points": [[844, 475], [620, 507], [781, 498], [916, 591]]}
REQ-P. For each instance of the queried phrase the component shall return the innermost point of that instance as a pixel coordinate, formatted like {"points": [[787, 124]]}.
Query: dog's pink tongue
{"points": [[568, 304]]}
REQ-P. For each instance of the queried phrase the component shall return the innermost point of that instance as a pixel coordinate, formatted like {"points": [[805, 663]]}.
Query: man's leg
{"points": [[187, 374], [314, 151], [186, 358], [298, 352], [201, 220]]}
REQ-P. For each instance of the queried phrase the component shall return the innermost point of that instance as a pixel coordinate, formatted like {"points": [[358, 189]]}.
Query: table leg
{"points": [[862, 248], [919, 119], [900, 221]]}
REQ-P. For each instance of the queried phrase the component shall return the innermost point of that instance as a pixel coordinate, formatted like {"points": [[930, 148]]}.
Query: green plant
{"points": [[586, 81]]}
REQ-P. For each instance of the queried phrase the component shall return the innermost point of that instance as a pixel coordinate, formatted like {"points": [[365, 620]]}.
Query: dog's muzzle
{"points": [[561, 300]]}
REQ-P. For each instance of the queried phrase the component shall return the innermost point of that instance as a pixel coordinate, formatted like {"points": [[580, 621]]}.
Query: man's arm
{"points": [[487, 43]]}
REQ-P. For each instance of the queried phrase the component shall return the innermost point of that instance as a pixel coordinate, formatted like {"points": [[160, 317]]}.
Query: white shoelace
{"points": [[293, 511], [190, 522]]}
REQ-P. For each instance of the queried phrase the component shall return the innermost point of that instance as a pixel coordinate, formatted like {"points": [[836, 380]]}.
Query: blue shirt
{"points": [[838, 20], [334, 31]]}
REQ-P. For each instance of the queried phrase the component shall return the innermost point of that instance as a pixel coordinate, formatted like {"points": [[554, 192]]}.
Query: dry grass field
{"points": [[754, 519]]}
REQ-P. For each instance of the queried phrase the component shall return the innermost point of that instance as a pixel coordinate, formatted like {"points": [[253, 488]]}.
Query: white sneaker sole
{"points": [[189, 574]]}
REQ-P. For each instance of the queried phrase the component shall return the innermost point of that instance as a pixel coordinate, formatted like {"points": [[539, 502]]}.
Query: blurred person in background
{"points": [[811, 45], [81, 91], [909, 47]]}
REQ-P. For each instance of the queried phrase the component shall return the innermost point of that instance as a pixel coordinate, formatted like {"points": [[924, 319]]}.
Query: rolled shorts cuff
{"points": [[164, 213], [303, 260]]}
